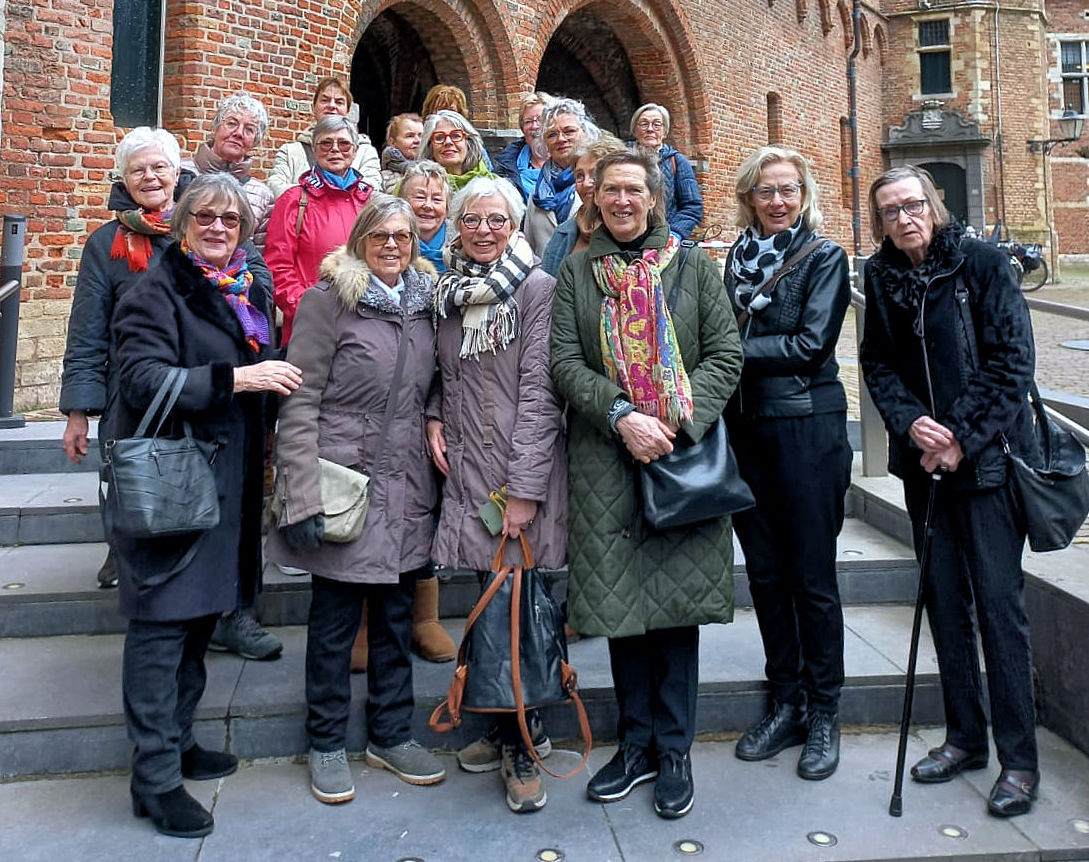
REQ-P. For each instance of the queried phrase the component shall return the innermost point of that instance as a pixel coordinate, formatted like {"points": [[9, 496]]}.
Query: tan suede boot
{"points": [[429, 637], [359, 648]]}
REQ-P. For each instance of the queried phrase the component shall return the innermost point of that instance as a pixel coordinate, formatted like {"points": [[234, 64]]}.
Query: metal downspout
{"points": [[852, 122]]}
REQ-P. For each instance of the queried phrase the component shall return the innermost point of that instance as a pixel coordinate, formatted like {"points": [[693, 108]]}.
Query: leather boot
{"points": [[359, 648], [428, 636]]}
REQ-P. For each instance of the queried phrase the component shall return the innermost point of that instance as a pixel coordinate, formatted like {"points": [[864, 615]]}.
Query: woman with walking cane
{"points": [[948, 357]]}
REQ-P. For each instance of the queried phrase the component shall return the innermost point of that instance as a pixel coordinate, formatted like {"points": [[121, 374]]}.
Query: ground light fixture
{"points": [[549, 854], [951, 830], [688, 847], [821, 838]]}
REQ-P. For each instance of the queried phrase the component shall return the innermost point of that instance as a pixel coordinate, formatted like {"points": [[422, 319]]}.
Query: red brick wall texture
{"points": [[717, 64]]}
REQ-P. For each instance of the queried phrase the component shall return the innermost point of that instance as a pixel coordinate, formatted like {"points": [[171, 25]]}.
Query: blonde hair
{"points": [[748, 175], [445, 97]]}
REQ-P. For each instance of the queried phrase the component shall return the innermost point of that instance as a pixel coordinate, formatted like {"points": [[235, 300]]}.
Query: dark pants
{"points": [[336, 609], [975, 558], [162, 680], [656, 677], [799, 469]]}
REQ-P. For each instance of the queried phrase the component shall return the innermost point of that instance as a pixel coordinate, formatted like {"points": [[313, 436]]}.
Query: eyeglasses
{"points": [[454, 137], [568, 133], [495, 221], [788, 192], [342, 145], [234, 124], [382, 237], [205, 218], [911, 208], [650, 124], [531, 122], [160, 169]]}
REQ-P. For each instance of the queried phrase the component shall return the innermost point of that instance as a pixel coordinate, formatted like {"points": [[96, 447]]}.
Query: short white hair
{"points": [[143, 138], [243, 101], [651, 106], [482, 187]]}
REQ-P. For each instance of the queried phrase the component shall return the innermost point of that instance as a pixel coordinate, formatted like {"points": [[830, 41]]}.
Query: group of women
{"points": [[426, 336]]}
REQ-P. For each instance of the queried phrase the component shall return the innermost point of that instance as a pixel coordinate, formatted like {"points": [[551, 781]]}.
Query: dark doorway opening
{"points": [[952, 184]]}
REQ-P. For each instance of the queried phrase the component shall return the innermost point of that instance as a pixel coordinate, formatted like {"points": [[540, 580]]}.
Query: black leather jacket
{"points": [[790, 365]]}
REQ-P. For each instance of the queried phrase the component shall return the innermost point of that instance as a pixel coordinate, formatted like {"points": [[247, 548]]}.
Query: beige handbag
{"points": [[345, 499]]}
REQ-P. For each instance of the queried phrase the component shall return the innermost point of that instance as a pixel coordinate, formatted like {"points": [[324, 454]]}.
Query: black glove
{"points": [[305, 535]]}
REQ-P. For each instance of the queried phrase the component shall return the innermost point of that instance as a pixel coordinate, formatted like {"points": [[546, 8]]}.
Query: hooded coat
{"points": [[292, 162]]}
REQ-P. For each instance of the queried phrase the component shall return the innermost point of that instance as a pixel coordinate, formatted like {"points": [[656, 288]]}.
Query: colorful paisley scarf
{"points": [[234, 283]]}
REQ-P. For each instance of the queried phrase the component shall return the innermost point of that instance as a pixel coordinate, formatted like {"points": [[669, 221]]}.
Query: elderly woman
{"points": [[520, 161], [404, 137], [315, 216], [331, 99], [427, 190], [197, 310], [240, 124], [498, 423], [115, 257], [788, 426], [565, 125], [574, 234], [637, 375], [684, 203], [949, 403], [453, 142], [366, 346]]}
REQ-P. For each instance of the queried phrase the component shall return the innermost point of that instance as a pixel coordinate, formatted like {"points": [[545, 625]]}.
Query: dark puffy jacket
{"points": [[506, 164], [977, 404], [790, 346], [684, 203], [563, 240]]}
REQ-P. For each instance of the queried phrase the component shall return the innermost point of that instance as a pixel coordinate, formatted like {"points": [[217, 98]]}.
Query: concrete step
{"points": [[36, 448], [52, 589], [49, 508], [60, 705]]}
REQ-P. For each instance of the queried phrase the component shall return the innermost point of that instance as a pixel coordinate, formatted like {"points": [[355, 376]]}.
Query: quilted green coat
{"points": [[624, 578]]}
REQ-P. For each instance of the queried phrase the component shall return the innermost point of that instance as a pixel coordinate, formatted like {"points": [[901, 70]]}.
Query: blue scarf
{"points": [[432, 251], [555, 191], [527, 175], [343, 183]]}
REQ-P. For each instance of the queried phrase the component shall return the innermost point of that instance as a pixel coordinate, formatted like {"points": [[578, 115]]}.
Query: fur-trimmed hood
{"points": [[350, 277]]}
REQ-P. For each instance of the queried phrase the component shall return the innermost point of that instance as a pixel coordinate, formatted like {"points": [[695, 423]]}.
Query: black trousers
{"points": [[162, 680], [335, 611], [975, 559], [656, 677], [799, 469]]}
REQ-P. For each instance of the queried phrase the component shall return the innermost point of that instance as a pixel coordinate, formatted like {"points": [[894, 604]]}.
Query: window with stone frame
{"points": [[934, 57], [1075, 76]]}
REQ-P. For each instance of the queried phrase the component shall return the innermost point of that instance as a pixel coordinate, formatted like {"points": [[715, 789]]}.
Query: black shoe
{"points": [[784, 727], [1013, 792], [107, 575], [201, 765], [173, 813], [944, 763], [820, 757], [630, 766], [674, 791]]}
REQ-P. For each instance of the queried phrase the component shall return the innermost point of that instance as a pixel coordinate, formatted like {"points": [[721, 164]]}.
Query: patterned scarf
{"points": [[234, 283], [485, 294], [758, 258], [555, 190], [638, 343], [132, 242]]}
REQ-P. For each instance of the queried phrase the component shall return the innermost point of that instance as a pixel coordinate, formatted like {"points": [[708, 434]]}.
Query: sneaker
{"points": [[525, 789], [409, 761], [674, 791], [628, 768], [294, 571], [331, 777], [784, 726], [483, 755], [239, 632], [107, 575]]}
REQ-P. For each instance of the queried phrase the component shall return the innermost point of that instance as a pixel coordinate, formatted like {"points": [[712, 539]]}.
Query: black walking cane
{"points": [[896, 804]]}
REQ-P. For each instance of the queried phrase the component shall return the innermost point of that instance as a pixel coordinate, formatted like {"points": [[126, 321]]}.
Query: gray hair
{"points": [[425, 170], [482, 187], [474, 144], [330, 124], [748, 175], [144, 138], [558, 107], [651, 106], [218, 188], [242, 101], [379, 209], [939, 215]]}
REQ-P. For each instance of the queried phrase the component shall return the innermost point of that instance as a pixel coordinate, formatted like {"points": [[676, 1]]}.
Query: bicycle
{"points": [[1027, 259]]}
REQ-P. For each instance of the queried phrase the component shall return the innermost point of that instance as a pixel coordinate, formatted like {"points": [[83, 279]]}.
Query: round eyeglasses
{"points": [[495, 221]]}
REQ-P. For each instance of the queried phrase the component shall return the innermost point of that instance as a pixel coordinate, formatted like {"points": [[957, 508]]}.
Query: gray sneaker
{"points": [[483, 755], [409, 761], [239, 632], [331, 777]]}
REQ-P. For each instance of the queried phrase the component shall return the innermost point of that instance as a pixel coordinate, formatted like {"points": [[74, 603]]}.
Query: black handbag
{"points": [[513, 655], [1054, 496], [159, 486]]}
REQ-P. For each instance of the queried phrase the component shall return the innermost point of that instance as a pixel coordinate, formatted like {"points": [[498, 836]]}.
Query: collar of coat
{"points": [[350, 277], [318, 186], [601, 243]]}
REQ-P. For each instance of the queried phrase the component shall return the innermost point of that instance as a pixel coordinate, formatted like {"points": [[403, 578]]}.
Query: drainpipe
{"points": [[852, 122], [1000, 141]]}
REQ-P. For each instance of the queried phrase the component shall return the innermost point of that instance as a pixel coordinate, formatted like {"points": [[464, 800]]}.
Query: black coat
{"points": [[89, 381], [978, 405], [176, 317], [790, 346]]}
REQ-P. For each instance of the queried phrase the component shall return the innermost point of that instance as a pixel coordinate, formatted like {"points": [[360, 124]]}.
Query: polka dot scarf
{"points": [[757, 259]]}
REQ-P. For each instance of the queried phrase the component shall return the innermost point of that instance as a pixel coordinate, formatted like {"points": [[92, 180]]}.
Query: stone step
{"points": [[60, 705], [36, 448], [49, 508], [52, 589]]}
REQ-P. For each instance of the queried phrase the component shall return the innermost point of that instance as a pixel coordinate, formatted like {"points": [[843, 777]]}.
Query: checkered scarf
{"points": [[485, 294]]}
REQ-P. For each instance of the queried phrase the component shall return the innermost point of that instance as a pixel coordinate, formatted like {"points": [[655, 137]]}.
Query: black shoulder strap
{"points": [[769, 285], [967, 324], [686, 247]]}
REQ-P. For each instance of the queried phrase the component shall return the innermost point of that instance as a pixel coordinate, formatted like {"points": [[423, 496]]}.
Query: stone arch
{"points": [[826, 16], [848, 26], [867, 37], [881, 41]]}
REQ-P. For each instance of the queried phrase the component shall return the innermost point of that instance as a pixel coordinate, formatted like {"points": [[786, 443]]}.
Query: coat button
{"points": [[625, 533]]}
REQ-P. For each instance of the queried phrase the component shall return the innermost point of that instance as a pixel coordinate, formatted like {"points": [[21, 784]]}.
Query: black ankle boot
{"points": [[198, 764], [784, 726], [173, 813], [820, 757]]}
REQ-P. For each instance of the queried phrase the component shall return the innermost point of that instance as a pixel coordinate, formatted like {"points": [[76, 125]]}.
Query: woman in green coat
{"points": [[634, 382]]}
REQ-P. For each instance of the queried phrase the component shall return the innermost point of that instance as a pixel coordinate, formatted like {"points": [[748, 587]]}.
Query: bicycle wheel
{"points": [[1036, 279]]}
